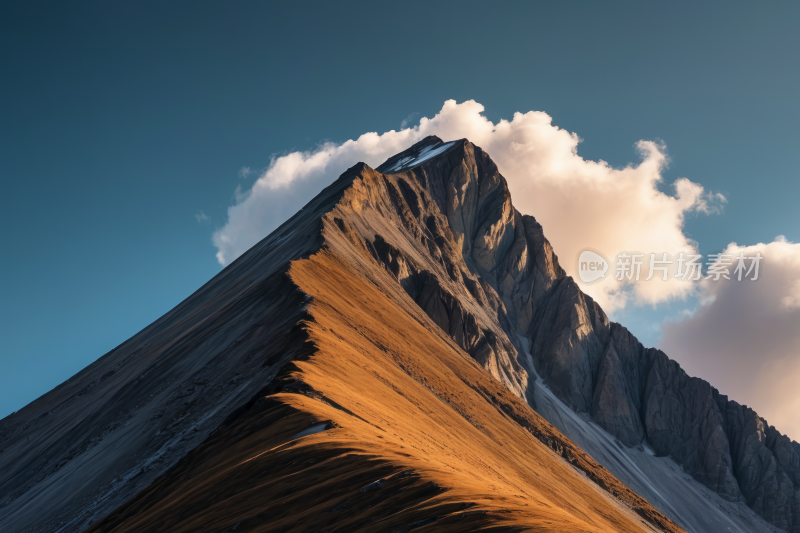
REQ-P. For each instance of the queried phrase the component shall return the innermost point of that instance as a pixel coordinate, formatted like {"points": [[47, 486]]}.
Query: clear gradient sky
{"points": [[124, 126]]}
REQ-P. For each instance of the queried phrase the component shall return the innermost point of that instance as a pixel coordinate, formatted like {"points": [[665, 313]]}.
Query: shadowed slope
{"points": [[84, 448]]}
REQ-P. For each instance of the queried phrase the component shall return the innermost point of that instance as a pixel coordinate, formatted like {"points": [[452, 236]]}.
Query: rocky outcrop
{"points": [[594, 366]]}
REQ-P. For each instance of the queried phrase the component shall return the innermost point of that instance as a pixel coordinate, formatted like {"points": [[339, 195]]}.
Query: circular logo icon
{"points": [[592, 266]]}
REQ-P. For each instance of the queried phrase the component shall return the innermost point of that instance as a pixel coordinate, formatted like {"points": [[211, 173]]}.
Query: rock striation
{"points": [[593, 365]]}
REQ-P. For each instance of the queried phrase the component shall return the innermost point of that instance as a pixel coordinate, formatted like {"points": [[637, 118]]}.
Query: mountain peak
{"points": [[407, 311], [422, 151]]}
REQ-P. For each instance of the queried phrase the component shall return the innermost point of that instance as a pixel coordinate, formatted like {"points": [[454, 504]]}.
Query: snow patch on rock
{"points": [[316, 428], [424, 154]]}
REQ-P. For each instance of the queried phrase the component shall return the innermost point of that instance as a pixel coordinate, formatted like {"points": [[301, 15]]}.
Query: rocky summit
{"points": [[405, 353]]}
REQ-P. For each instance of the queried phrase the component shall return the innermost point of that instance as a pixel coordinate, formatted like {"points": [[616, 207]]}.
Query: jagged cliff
{"points": [[250, 359], [594, 366]]}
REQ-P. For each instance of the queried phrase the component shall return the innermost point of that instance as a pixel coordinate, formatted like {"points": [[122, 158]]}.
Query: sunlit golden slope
{"points": [[452, 448]]}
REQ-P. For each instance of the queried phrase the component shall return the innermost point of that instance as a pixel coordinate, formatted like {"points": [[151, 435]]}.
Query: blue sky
{"points": [[121, 121]]}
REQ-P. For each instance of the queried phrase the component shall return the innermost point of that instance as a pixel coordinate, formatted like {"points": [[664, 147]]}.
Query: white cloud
{"points": [[745, 338], [579, 203], [244, 172], [201, 216]]}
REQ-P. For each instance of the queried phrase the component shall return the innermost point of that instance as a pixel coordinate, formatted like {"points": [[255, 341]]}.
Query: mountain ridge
{"points": [[445, 229], [336, 371]]}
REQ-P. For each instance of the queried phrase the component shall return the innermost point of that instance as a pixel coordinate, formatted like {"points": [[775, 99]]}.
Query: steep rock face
{"points": [[612, 407], [594, 366], [766, 464]]}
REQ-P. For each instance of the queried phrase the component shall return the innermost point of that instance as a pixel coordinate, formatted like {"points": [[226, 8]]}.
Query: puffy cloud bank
{"points": [[745, 339], [580, 203]]}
